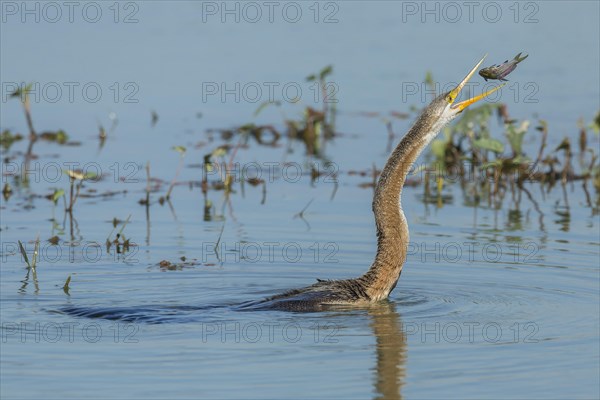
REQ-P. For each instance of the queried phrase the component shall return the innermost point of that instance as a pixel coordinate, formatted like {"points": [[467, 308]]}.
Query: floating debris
{"points": [[166, 265], [7, 139], [66, 285], [6, 191], [59, 136]]}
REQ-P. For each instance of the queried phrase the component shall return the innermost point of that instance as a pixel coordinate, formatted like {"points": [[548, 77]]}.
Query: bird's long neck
{"points": [[392, 228]]}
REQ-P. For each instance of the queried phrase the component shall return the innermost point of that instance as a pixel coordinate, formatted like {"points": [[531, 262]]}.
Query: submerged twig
{"points": [[301, 213], [216, 248]]}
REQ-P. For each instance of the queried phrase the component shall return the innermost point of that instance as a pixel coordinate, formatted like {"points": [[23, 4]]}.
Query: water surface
{"points": [[494, 300]]}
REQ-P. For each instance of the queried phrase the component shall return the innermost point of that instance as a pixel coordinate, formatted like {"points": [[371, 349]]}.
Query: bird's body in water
{"points": [[392, 228], [392, 233]]}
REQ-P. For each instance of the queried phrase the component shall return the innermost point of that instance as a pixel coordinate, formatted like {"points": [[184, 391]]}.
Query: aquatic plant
{"points": [[120, 242], [34, 257], [31, 266], [181, 150], [469, 149], [7, 138], [76, 179]]}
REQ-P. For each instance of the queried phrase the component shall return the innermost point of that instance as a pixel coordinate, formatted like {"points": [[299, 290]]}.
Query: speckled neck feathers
{"points": [[392, 235], [392, 228]]}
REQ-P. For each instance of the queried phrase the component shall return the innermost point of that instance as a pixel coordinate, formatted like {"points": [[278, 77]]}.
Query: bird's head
{"points": [[444, 108]]}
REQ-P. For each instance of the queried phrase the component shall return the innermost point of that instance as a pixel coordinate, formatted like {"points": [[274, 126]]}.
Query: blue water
{"points": [[494, 301]]}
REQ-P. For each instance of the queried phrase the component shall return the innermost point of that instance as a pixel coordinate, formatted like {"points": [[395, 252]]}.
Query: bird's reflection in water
{"points": [[390, 351]]}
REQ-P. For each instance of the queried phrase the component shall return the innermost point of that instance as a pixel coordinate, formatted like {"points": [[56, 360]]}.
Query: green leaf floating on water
{"points": [[58, 193], [90, 175], [219, 152], [80, 175], [489, 144], [180, 149]]}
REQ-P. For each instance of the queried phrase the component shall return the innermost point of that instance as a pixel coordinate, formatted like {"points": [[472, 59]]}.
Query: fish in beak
{"points": [[456, 91]]}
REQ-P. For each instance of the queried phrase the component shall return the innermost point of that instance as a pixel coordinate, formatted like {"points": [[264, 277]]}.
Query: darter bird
{"points": [[392, 229]]}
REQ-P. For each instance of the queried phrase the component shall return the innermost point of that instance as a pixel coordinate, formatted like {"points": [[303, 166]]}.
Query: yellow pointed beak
{"points": [[455, 92]]}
